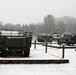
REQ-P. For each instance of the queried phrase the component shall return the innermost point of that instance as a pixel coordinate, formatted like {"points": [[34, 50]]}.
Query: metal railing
{"points": [[63, 47]]}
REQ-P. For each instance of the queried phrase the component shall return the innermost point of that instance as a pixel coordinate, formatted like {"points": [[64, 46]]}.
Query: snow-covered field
{"points": [[43, 69]]}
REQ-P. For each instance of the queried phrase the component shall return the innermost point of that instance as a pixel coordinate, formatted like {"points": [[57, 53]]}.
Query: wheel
{"points": [[4, 54], [59, 42], [68, 43], [1, 54], [72, 43], [27, 52]]}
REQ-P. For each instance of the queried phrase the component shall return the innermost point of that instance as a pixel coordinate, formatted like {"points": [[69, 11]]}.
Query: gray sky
{"points": [[33, 11]]}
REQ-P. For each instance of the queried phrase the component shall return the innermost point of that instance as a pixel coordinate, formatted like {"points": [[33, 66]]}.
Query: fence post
{"points": [[63, 51], [46, 47], [35, 44]]}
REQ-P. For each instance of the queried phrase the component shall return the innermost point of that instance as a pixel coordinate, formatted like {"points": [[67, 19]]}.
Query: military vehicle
{"points": [[15, 43], [43, 38], [67, 38]]}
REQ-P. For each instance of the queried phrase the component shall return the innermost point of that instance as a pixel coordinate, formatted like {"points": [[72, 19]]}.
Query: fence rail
{"points": [[63, 47]]}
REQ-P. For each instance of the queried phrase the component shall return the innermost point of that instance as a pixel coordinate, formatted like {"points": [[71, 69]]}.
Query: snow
{"points": [[42, 69], [13, 33]]}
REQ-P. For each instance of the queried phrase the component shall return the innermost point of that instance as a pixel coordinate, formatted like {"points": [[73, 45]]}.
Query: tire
{"points": [[68, 43], [27, 52], [72, 43], [59, 42], [1, 54], [4, 54]]}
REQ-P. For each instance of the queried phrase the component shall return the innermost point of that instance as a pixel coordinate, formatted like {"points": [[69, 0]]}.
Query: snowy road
{"points": [[43, 69]]}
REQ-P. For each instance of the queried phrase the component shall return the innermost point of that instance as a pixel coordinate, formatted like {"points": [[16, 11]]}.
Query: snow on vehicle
{"points": [[56, 37]]}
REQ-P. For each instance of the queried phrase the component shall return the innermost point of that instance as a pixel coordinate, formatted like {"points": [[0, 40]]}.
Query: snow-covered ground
{"points": [[43, 69]]}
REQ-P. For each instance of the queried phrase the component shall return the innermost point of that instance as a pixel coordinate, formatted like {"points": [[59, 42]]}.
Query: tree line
{"points": [[50, 25]]}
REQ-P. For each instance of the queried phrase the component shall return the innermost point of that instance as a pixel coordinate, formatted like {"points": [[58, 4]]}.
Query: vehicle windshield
{"points": [[67, 34], [56, 35]]}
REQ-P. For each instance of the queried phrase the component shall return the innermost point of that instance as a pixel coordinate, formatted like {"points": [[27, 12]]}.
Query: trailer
{"points": [[15, 43]]}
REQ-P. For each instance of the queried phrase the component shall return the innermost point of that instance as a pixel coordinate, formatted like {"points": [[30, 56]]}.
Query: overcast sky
{"points": [[33, 11]]}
